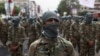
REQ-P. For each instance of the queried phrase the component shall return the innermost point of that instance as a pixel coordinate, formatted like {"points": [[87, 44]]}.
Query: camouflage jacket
{"points": [[98, 31], [42, 47], [3, 30], [88, 32], [74, 30], [16, 34]]}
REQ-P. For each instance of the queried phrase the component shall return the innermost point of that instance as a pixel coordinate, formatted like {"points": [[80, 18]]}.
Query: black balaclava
{"points": [[32, 20], [88, 18], [15, 22], [50, 31]]}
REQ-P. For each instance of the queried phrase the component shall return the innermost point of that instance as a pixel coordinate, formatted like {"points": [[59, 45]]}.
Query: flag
{"points": [[9, 7], [12, 8], [9, 1], [13, 12], [87, 3]]}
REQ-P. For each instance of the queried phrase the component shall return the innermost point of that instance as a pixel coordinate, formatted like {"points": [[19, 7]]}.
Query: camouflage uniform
{"points": [[62, 25], [75, 35], [4, 31], [98, 38], [32, 33], [49, 44], [66, 28], [87, 42], [60, 48], [88, 35], [16, 37], [24, 23]]}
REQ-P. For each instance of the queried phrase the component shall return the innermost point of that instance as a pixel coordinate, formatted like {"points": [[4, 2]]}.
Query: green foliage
{"points": [[16, 10], [62, 7], [82, 13], [2, 9], [65, 6]]}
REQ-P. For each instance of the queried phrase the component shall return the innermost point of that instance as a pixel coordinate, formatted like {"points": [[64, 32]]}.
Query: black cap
{"points": [[48, 15]]}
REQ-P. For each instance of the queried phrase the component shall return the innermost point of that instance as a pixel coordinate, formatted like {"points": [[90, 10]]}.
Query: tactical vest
{"points": [[53, 49]]}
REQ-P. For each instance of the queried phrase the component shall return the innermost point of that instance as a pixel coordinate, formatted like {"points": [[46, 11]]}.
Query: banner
{"points": [[87, 3], [9, 7]]}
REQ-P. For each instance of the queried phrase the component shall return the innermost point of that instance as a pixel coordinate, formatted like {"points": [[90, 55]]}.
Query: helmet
{"points": [[48, 15], [32, 20], [88, 19], [89, 14], [15, 21]]}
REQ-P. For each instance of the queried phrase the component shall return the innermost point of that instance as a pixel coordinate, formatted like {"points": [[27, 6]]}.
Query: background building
{"points": [[95, 9]]}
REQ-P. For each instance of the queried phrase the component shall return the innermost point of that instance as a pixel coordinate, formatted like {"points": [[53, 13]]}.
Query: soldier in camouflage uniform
{"points": [[49, 44], [98, 37], [61, 26], [32, 33], [87, 41], [66, 27], [74, 32], [4, 31], [16, 36], [24, 23]]}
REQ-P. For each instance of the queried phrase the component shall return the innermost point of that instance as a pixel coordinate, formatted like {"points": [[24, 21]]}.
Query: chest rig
{"points": [[51, 49]]}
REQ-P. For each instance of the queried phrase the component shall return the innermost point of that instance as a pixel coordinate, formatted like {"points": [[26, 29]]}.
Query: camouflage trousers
{"points": [[85, 50], [76, 43]]}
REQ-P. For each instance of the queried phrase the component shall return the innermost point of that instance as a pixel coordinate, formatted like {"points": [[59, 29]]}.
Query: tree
{"points": [[66, 6], [16, 10], [2, 9], [82, 13], [62, 7]]}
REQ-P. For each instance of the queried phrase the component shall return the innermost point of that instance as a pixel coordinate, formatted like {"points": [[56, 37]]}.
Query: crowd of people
{"points": [[50, 35]]}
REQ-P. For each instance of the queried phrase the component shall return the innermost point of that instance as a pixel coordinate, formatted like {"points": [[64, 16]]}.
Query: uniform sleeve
{"points": [[31, 50], [9, 34], [22, 35], [71, 50]]}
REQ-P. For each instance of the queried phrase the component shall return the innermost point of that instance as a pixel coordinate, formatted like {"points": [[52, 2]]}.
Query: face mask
{"points": [[30, 21], [88, 20], [50, 31], [15, 23]]}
